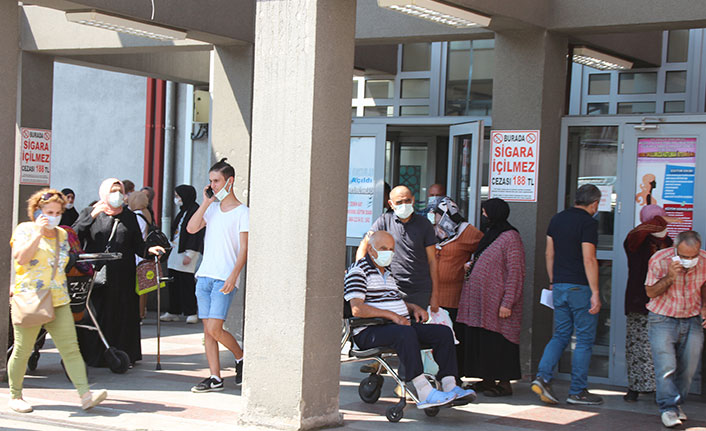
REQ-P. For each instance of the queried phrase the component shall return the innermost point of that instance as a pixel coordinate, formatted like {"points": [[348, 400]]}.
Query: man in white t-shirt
{"points": [[225, 252]]}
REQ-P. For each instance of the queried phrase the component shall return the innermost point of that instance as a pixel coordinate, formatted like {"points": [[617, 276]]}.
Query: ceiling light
{"points": [[124, 25], [437, 12], [599, 60]]}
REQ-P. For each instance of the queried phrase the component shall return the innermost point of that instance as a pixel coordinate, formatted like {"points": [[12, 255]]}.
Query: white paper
{"points": [[547, 298]]}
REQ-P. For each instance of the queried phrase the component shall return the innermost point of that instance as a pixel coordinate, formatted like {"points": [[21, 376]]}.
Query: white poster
{"points": [[514, 164], [606, 203], [361, 186], [35, 157]]}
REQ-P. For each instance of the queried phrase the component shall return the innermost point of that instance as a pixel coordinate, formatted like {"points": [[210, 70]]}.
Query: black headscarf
{"points": [[189, 206], [498, 211]]}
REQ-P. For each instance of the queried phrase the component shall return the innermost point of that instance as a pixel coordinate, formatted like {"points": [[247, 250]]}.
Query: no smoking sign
{"points": [[514, 165]]}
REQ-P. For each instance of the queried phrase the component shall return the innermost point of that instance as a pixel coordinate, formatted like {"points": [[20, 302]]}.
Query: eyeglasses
{"points": [[47, 196]]}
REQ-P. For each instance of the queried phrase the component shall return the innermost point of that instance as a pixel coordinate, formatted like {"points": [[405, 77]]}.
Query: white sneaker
{"points": [[670, 418], [19, 405], [192, 319], [682, 415], [92, 399], [169, 317]]}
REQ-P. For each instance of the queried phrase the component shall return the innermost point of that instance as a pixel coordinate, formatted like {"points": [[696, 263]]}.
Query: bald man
{"points": [[371, 292], [435, 194], [414, 262]]}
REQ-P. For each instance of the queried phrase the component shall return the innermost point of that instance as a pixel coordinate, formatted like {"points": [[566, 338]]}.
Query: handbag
{"points": [[31, 308], [147, 277], [102, 274]]}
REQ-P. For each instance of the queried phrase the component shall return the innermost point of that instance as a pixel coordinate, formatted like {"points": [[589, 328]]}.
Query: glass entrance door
{"points": [[465, 156]]}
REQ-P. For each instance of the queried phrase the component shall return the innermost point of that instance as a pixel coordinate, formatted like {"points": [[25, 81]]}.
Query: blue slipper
{"points": [[436, 398], [463, 396]]}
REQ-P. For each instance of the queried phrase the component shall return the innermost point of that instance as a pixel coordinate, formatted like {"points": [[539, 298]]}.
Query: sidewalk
{"points": [[146, 399]]}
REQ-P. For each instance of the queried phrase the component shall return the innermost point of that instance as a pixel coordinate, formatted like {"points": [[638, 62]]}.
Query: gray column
{"points": [[9, 52], [529, 93], [301, 134], [229, 136]]}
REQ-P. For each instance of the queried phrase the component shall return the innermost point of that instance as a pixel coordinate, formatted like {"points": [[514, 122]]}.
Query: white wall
{"points": [[98, 124]]}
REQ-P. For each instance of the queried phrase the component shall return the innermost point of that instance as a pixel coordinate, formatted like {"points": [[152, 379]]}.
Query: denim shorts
{"points": [[211, 302]]}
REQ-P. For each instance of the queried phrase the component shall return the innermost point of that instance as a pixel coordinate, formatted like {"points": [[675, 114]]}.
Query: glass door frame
{"points": [[628, 132], [476, 130]]}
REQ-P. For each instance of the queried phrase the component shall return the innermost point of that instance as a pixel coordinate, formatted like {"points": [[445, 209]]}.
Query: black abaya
{"points": [[116, 304]]}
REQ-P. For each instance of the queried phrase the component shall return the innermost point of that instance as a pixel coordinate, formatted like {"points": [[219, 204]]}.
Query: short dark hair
{"points": [[129, 186], [587, 194], [224, 168]]}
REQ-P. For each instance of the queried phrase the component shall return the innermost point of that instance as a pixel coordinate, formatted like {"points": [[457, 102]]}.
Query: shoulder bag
{"points": [[32, 308], [102, 274]]}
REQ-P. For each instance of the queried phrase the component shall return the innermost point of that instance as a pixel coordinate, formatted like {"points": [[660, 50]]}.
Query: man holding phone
{"points": [[676, 285], [225, 252]]}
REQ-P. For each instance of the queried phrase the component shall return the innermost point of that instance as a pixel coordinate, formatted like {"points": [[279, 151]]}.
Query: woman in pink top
{"points": [[490, 309]]}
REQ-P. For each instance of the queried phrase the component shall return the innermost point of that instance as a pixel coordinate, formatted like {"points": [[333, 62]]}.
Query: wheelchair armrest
{"points": [[357, 322]]}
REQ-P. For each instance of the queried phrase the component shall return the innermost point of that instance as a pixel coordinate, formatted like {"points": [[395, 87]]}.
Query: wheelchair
{"points": [[370, 387]]}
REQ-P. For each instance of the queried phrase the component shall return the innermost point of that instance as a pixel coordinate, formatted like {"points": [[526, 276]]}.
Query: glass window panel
{"points": [[380, 88], [675, 82], [355, 89], [674, 106], [378, 111], [637, 108], [478, 62], [414, 110], [597, 109], [599, 83], [354, 112], [416, 57], [678, 46], [413, 171], [593, 159], [638, 83], [415, 88]]}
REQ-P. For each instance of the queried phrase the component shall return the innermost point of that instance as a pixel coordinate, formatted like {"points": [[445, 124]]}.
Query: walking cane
{"points": [[160, 279]]}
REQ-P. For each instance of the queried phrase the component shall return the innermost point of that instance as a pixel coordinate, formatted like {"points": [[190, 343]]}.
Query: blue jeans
{"points": [[212, 304], [676, 350], [571, 305]]}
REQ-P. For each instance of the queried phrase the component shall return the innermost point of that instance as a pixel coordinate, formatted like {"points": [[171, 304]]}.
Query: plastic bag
{"points": [[441, 318]]}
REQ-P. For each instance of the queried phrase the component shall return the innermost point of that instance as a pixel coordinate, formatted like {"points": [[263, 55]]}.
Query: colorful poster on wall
{"points": [[514, 165], [665, 177], [35, 157], [361, 186]]}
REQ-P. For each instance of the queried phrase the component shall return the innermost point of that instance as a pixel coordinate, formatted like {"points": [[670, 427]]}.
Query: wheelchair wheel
{"points": [[370, 388], [431, 411], [117, 360], [394, 413], [33, 361]]}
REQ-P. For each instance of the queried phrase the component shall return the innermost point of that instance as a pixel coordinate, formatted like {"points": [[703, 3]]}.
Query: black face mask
{"points": [[653, 184], [484, 223]]}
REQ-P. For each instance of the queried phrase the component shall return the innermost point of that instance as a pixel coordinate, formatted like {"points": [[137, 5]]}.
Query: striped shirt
{"points": [[683, 298], [364, 281]]}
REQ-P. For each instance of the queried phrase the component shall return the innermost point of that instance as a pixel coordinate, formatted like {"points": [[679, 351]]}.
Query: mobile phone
{"points": [[209, 192]]}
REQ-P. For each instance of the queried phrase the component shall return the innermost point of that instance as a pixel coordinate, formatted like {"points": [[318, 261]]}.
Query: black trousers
{"points": [[182, 293], [407, 342]]}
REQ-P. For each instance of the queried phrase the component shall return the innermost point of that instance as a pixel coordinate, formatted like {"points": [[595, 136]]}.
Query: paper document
{"points": [[547, 298]]}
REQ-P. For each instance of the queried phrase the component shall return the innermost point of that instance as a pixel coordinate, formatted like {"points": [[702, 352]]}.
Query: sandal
{"points": [[498, 391], [479, 387]]}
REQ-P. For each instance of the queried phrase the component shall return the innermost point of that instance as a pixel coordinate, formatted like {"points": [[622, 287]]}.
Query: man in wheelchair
{"points": [[372, 292]]}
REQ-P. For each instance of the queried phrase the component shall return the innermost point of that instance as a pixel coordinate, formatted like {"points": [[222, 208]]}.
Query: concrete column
{"points": [[301, 135], [229, 135], [529, 93], [9, 52]]}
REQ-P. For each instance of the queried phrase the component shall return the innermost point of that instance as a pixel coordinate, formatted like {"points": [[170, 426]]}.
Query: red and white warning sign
{"points": [[514, 165], [35, 157]]}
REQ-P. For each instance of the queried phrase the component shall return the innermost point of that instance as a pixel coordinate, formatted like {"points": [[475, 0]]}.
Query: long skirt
{"points": [[487, 355], [638, 354]]}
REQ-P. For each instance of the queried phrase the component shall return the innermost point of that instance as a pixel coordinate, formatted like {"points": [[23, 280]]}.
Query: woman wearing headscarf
{"points": [[490, 307], [116, 304], [70, 214], [138, 202], [640, 244], [187, 250]]}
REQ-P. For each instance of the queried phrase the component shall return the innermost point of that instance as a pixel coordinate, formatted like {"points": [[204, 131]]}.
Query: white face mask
{"points": [[403, 211], [69, 206], [384, 258], [53, 221], [661, 234], [177, 201], [431, 215], [689, 263], [115, 199], [223, 193]]}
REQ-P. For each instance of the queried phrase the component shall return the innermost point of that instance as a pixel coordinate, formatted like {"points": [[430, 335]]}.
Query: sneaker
{"points": [[436, 399], [208, 384], [585, 398], [544, 390], [682, 415], [92, 399], [670, 418], [192, 319], [239, 372], [169, 317], [463, 396], [19, 405]]}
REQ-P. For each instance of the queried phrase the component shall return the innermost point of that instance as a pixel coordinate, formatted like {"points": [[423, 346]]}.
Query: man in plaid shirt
{"points": [[676, 285]]}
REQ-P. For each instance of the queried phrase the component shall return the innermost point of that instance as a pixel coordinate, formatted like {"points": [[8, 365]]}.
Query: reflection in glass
{"points": [[411, 110], [593, 158], [415, 88], [416, 57], [674, 106], [678, 46], [462, 145], [597, 109], [675, 82], [380, 88], [638, 83], [475, 60], [378, 111], [637, 107], [599, 83]]}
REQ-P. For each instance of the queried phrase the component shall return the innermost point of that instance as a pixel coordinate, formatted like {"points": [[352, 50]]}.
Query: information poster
{"points": [[514, 165], [361, 186], [35, 157], [665, 177]]}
